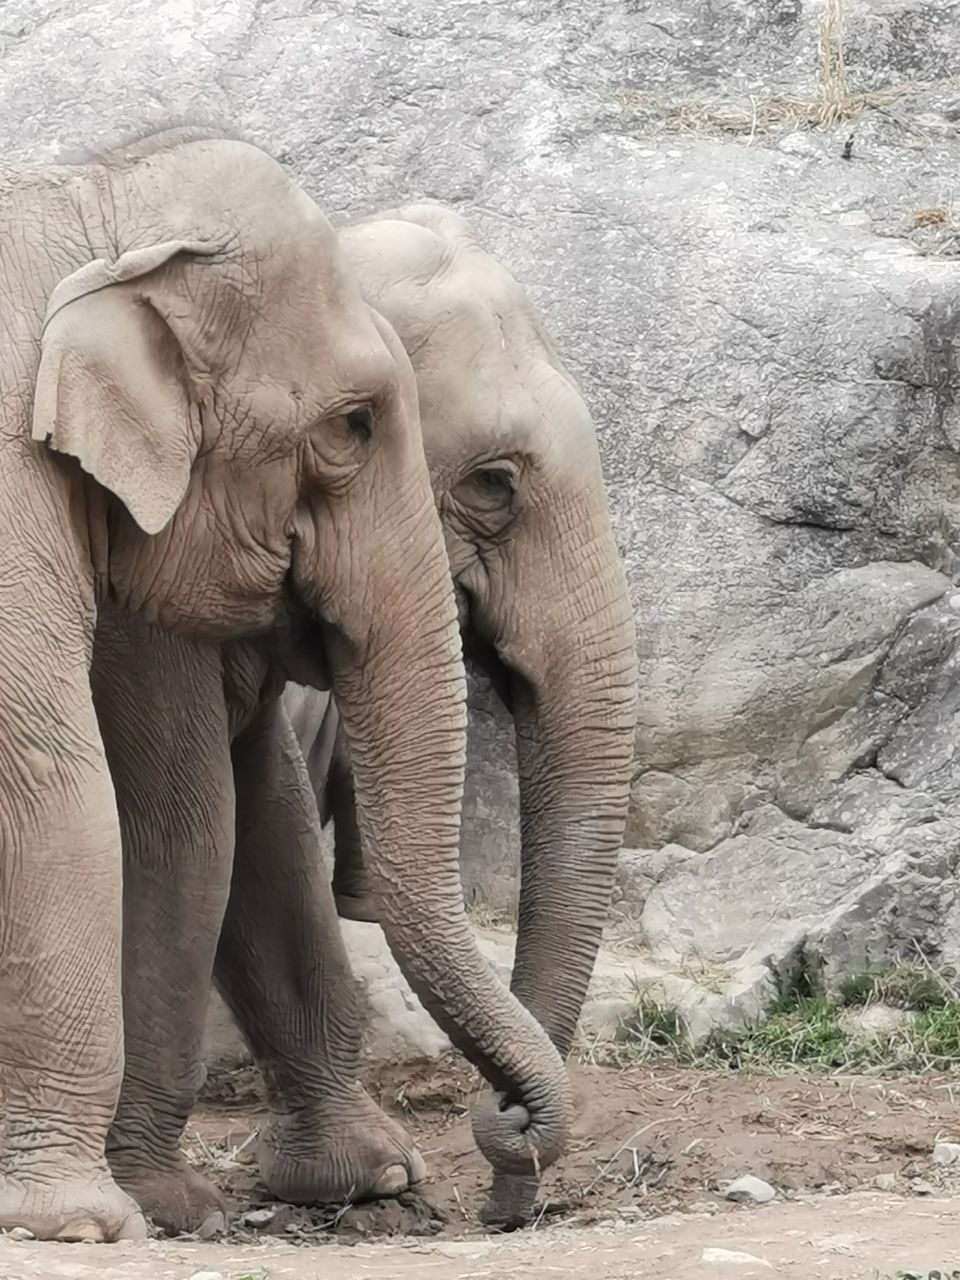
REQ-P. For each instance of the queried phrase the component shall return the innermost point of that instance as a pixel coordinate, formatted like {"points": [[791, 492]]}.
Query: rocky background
{"points": [[741, 221]]}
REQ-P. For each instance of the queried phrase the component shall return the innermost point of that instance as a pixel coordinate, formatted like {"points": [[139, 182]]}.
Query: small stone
{"points": [[886, 1182], [946, 1153], [207, 1275], [876, 1019], [921, 1187], [20, 1233], [258, 1218], [732, 1257], [749, 1189], [797, 144]]}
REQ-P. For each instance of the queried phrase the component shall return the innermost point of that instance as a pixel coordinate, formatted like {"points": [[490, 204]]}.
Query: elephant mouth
{"points": [[301, 643], [480, 657]]}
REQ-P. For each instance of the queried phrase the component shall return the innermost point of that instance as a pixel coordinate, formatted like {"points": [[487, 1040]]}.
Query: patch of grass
{"points": [[650, 1032], [807, 1032], [801, 1032], [937, 215], [763, 116], [935, 1037], [259, 1274], [653, 1024], [940, 224], [832, 104], [907, 985]]}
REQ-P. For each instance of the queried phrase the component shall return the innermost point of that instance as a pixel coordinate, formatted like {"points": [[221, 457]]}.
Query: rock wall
{"points": [[758, 288]]}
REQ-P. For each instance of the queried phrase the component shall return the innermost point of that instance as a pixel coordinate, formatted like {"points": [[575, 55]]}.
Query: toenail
{"points": [[393, 1180], [214, 1224]]}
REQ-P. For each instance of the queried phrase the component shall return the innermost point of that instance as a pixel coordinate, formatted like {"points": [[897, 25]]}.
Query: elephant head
{"points": [[516, 476], [253, 427]]}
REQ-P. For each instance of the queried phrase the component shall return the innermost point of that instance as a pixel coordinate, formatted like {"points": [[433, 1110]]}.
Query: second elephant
{"points": [[515, 470]]}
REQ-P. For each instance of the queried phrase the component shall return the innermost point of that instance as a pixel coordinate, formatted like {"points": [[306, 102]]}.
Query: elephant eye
{"points": [[494, 481], [360, 423], [489, 490]]}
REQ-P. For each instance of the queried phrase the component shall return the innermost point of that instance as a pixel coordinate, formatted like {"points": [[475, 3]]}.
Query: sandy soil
{"points": [[856, 1237], [639, 1195], [646, 1142]]}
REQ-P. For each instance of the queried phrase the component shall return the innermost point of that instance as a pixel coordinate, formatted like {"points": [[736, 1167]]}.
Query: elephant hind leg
{"points": [[351, 887], [283, 971], [315, 721], [178, 1200]]}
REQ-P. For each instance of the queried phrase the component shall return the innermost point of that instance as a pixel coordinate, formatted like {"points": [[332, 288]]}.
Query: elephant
{"points": [[544, 606], [516, 475], [220, 833], [206, 428], [543, 602]]}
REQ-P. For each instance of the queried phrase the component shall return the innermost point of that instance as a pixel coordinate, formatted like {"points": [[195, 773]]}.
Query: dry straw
{"points": [[832, 104]]}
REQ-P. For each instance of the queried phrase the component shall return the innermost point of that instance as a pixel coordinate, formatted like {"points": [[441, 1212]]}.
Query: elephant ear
{"points": [[112, 388]]}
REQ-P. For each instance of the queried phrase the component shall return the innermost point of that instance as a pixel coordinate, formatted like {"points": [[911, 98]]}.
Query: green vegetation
{"points": [[907, 986], [812, 1032]]}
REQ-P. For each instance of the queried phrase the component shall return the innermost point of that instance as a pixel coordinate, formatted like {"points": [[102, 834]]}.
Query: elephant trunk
{"points": [[402, 702], [575, 721]]}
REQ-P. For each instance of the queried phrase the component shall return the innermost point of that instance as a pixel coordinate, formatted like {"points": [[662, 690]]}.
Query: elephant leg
{"points": [[61, 1040], [315, 720], [283, 971], [351, 887], [160, 701]]}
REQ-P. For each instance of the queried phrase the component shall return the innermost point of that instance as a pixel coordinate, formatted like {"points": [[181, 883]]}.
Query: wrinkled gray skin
{"points": [[203, 420], [516, 475], [218, 759]]}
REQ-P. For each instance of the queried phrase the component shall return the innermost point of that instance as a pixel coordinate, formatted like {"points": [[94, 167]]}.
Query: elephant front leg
{"points": [[161, 707], [283, 971], [61, 1049]]}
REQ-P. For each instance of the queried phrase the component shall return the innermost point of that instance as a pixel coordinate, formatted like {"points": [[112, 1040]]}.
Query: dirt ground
{"points": [[858, 1237], [647, 1142], [639, 1195]]}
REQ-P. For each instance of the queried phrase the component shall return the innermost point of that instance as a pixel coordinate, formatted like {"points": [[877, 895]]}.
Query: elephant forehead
{"points": [[325, 345], [525, 408]]}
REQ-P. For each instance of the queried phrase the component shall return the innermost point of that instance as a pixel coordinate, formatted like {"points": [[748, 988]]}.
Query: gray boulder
{"points": [[757, 283]]}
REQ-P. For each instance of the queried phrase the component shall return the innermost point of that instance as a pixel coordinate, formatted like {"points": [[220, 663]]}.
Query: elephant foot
{"points": [[91, 1208], [343, 1148], [179, 1201], [511, 1202], [353, 906]]}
